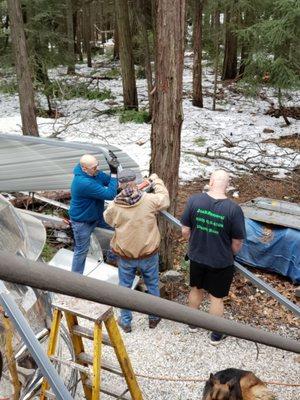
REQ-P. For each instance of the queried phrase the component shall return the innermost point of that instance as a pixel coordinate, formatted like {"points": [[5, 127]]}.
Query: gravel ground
{"points": [[171, 351]]}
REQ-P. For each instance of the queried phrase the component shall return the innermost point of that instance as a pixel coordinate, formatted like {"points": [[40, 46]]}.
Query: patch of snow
{"points": [[227, 138]]}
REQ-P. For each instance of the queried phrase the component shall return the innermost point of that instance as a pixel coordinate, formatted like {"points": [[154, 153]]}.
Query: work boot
{"points": [[125, 328], [216, 338], [192, 328], [154, 322]]}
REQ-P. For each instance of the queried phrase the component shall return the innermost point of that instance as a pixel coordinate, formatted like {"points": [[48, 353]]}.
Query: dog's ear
{"points": [[213, 380]]}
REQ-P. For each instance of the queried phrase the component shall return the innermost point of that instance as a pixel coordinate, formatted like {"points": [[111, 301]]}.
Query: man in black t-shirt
{"points": [[215, 228]]}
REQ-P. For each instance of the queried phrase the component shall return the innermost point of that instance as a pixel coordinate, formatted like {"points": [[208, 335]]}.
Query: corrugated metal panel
{"points": [[272, 211], [33, 164]]}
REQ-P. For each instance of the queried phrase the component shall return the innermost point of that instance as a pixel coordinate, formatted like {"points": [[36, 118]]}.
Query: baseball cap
{"points": [[126, 175]]}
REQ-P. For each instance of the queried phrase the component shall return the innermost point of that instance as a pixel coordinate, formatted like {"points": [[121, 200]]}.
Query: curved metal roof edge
{"points": [[56, 142]]}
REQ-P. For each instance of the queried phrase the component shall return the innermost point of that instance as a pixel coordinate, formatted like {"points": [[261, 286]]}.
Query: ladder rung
{"points": [[49, 394], [89, 334], [107, 365], [71, 364], [119, 393]]}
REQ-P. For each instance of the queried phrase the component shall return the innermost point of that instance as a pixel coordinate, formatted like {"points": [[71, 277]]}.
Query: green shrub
{"points": [[48, 252], [66, 91], [199, 141], [113, 73], [139, 117], [140, 73], [97, 94], [110, 111], [9, 87]]}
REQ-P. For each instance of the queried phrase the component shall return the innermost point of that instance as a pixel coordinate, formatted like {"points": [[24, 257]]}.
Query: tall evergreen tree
{"points": [[86, 23], [71, 36], [231, 45], [217, 52], [24, 77], [142, 23], [167, 108], [273, 44], [197, 46], [126, 55]]}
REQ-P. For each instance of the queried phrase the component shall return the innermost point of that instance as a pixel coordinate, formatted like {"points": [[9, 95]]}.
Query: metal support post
{"points": [[34, 347]]}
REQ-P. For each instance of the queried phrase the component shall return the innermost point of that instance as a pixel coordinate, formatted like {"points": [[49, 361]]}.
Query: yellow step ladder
{"points": [[72, 309]]}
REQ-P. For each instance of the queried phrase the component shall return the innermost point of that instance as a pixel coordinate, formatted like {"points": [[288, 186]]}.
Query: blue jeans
{"points": [[82, 236], [149, 270]]}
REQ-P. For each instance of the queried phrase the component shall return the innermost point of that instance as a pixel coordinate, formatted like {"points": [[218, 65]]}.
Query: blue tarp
{"points": [[272, 247]]}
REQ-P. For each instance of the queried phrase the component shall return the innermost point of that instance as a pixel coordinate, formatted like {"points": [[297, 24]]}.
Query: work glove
{"points": [[113, 163]]}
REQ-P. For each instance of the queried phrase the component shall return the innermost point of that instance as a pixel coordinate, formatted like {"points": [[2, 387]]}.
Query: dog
{"points": [[235, 384]]}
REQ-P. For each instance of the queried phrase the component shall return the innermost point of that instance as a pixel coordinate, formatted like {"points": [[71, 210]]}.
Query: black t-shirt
{"points": [[214, 223]]}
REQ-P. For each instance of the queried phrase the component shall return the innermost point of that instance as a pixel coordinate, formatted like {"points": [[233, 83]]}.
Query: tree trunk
{"points": [[79, 34], [230, 51], [102, 24], [167, 107], [116, 42], [4, 38], [26, 92], [126, 55], [70, 35], [281, 108], [153, 18], [197, 66], [217, 54], [140, 16], [36, 47], [86, 22], [244, 56], [249, 19]]}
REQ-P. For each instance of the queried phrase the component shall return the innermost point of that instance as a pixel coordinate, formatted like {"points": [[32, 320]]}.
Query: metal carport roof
{"points": [[31, 163]]}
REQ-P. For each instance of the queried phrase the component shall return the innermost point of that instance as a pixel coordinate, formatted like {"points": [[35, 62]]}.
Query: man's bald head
{"points": [[219, 180], [87, 160], [89, 164]]}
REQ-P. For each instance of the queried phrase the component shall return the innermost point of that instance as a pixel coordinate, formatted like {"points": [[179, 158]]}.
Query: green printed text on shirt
{"points": [[209, 221]]}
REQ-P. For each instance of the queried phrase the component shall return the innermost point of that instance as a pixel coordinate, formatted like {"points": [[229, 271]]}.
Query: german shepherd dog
{"points": [[235, 384]]}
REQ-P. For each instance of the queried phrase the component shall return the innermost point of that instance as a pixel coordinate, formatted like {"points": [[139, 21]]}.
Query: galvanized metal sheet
{"points": [[272, 211], [93, 268], [35, 164]]}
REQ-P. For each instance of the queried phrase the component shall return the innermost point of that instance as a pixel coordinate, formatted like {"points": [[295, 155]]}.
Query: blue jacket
{"points": [[88, 194]]}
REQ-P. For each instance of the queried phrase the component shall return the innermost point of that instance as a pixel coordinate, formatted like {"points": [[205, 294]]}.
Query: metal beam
{"points": [[42, 276], [48, 220], [33, 345], [52, 202], [268, 289]]}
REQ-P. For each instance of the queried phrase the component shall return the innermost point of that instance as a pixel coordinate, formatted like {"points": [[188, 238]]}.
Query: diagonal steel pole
{"points": [[39, 275], [33, 345]]}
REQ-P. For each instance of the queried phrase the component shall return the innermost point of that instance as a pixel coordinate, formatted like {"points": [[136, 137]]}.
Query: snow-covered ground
{"points": [[235, 131]]}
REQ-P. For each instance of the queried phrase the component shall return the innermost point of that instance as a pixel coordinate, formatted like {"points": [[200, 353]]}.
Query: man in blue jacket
{"points": [[89, 189]]}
